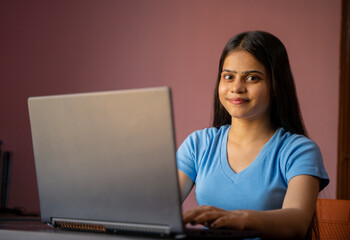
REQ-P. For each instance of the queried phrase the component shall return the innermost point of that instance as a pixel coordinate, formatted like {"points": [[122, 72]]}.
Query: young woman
{"points": [[255, 168]]}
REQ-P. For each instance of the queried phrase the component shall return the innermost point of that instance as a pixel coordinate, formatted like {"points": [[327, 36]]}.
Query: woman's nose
{"points": [[238, 86]]}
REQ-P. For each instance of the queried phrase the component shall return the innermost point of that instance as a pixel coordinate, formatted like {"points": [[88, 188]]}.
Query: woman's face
{"points": [[243, 87]]}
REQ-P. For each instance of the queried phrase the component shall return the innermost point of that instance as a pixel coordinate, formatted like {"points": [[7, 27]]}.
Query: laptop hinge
{"points": [[103, 226]]}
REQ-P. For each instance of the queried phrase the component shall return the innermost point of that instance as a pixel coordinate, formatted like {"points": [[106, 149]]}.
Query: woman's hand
{"points": [[216, 218], [290, 222]]}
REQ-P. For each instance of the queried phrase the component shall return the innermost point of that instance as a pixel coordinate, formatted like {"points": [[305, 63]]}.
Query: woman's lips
{"points": [[238, 100]]}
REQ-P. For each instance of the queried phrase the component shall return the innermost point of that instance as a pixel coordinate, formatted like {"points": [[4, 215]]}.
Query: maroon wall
{"points": [[68, 46]]}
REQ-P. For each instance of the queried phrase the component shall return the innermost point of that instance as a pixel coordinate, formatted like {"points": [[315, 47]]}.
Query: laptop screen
{"points": [[107, 157]]}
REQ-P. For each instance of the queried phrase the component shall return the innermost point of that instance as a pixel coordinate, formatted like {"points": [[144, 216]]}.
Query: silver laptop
{"points": [[105, 161]]}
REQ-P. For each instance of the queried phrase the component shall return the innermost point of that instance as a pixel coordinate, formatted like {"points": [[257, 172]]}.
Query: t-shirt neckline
{"points": [[235, 177]]}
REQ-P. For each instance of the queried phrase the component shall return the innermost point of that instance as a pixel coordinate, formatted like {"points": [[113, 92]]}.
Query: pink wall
{"points": [[65, 46]]}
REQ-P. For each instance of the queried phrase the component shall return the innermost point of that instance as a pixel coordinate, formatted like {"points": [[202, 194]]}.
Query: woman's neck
{"points": [[247, 132]]}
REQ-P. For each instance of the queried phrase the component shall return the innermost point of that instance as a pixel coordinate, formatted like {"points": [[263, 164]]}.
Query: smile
{"points": [[238, 101]]}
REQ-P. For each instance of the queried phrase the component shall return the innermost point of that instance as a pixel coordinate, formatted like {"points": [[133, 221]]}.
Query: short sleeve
{"points": [[192, 151], [304, 158], [186, 156]]}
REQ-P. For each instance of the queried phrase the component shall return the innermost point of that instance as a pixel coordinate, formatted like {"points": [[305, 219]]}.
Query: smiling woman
{"points": [[243, 88], [255, 168]]}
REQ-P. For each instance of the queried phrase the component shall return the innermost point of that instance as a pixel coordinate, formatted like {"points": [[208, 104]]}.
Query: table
{"points": [[36, 230]]}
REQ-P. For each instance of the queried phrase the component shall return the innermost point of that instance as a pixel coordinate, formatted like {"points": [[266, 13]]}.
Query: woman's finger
{"points": [[190, 215], [208, 216], [204, 215], [234, 220]]}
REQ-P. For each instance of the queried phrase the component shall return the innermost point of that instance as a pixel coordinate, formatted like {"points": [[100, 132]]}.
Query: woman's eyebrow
{"points": [[245, 72]]}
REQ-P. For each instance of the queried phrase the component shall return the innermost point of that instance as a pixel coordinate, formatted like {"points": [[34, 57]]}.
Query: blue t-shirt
{"points": [[260, 186]]}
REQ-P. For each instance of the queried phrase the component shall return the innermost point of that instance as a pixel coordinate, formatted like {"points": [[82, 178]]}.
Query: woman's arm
{"points": [[290, 222], [186, 184]]}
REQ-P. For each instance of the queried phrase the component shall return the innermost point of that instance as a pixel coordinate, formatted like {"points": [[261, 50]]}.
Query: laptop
{"points": [[105, 162]]}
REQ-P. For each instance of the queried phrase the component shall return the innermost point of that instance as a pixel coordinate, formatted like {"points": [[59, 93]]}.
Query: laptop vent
{"points": [[102, 227], [86, 227]]}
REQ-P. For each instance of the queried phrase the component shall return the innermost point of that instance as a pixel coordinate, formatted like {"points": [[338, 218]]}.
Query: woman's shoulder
{"points": [[290, 142], [199, 142], [210, 133], [206, 136], [292, 138]]}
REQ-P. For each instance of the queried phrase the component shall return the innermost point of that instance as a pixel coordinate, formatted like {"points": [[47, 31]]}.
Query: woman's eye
{"points": [[227, 77], [252, 78]]}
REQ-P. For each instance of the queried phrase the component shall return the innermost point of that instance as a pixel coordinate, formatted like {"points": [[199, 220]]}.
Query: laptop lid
{"points": [[107, 160]]}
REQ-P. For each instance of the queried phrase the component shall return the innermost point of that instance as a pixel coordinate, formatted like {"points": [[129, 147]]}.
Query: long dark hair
{"points": [[269, 51]]}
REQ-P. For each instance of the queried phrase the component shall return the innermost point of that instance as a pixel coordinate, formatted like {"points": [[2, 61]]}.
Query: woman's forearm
{"points": [[290, 223]]}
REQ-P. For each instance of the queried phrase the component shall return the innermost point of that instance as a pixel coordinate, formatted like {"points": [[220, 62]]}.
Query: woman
{"points": [[255, 168]]}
